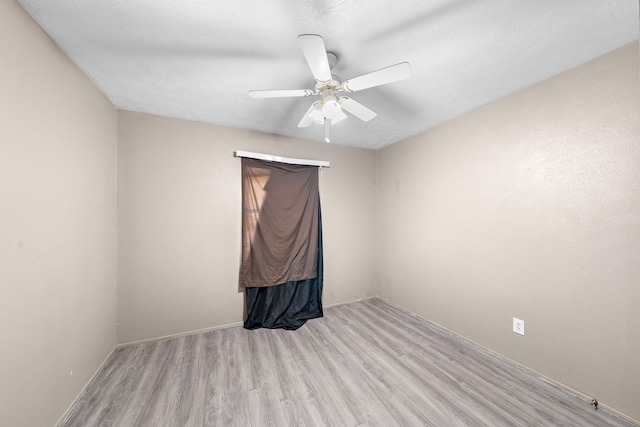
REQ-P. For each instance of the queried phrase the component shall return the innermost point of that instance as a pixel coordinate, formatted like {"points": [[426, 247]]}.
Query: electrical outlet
{"points": [[518, 326]]}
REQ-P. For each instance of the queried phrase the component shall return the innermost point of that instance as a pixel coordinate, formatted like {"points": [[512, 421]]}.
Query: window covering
{"points": [[279, 223]]}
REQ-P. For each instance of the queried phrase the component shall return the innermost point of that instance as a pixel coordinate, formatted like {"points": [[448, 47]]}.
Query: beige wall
{"points": [[57, 225], [179, 222], [529, 208]]}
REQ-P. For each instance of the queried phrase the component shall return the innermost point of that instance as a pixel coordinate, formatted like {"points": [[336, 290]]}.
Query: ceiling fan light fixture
{"points": [[331, 109], [316, 115]]}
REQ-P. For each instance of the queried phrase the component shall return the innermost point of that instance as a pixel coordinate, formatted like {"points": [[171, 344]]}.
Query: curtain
{"points": [[281, 267]]}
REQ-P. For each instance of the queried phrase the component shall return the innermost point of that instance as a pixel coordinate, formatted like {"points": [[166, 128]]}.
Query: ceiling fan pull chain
{"points": [[327, 125]]}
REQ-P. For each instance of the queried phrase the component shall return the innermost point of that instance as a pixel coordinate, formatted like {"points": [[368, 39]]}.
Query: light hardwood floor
{"points": [[363, 364]]}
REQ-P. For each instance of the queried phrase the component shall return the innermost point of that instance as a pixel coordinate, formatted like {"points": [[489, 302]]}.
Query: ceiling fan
{"points": [[329, 109]]}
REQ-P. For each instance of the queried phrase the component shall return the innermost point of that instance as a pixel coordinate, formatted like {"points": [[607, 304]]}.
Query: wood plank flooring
{"points": [[363, 364]]}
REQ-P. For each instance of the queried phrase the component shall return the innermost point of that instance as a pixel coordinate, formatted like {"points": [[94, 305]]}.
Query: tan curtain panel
{"points": [[279, 223]]}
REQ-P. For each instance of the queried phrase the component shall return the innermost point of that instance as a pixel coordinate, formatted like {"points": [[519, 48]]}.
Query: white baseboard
{"points": [[213, 328], [337, 304], [66, 411], [179, 334]]}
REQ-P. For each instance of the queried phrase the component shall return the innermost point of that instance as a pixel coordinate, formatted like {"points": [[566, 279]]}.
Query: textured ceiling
{"points": [[197, 59]]}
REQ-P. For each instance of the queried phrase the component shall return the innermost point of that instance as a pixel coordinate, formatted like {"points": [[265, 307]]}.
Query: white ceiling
{"points": [[197, 59]]}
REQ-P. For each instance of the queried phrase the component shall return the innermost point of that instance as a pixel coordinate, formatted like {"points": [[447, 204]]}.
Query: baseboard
{"points": [[66, 411], [338, 304], [214, 328], [472, 343], [179, 334]]}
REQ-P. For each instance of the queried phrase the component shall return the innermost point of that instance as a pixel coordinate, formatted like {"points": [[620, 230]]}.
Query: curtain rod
{"points": [[271, 158]]}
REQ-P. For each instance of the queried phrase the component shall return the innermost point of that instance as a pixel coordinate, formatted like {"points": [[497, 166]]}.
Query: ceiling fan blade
{"points": [[306, 120], [315, 53], [390, 74], [357, 109], [279, 93]]}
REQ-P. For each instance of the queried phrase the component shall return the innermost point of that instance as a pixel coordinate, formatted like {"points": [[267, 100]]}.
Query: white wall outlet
{"points": [[518, 326]]}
